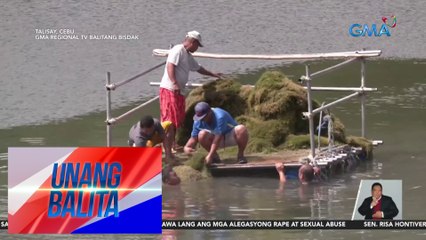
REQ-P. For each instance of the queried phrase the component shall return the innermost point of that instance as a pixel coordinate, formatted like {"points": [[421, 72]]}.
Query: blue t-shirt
{"points": [[222, 123]]}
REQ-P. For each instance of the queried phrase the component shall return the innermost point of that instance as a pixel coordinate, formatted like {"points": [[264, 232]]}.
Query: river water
{"points": [[52, 93]]}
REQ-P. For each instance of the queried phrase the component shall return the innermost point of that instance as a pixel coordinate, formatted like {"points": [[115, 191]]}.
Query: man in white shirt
{"points": [[179, 62]]}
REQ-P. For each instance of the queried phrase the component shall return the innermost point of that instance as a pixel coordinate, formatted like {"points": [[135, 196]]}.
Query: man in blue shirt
{"points": [[214, 128]]}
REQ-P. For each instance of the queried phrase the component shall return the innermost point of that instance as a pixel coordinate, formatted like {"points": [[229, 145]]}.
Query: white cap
{"points": [[195, 35]]}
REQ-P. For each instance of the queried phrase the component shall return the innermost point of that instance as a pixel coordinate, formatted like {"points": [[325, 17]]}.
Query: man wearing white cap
{"points": [[179, 62]]}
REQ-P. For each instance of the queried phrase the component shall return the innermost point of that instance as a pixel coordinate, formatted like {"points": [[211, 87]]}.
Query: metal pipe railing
{"points": [[363, 98], [332, 68], [311, 117], [343, 89], [110, 87], [335, 102], [130, 112], [116, 85], [319, 128], [108, 108], [354, 56], [187, 85]]}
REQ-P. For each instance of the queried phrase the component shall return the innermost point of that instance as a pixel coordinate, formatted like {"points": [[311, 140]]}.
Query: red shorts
{"points": [[172, 107]]}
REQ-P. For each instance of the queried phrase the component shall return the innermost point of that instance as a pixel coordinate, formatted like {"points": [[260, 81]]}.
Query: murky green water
{"points": [[69, 73], [395, 114]]}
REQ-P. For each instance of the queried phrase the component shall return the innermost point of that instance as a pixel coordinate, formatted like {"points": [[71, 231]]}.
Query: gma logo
{"points": [[358, 30]]}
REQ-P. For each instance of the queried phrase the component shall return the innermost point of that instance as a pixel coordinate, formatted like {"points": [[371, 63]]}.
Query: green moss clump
{"points": [[365, 144], [339, 130], [303, 142], [271, 111], [265, 136], [258, 145], [245, 92], [277, 97], [187, 173], [221, 93], [196, 161]]}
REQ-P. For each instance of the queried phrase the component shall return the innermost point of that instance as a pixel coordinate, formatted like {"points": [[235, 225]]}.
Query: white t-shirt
{"points": [[184, 63]]}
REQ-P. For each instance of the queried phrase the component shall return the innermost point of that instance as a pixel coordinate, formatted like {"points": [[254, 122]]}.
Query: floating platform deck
{"points": [[341, 159], [257, 169]]}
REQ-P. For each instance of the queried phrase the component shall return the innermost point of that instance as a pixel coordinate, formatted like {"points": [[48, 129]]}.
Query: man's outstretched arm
{"points": [[208, 73]]}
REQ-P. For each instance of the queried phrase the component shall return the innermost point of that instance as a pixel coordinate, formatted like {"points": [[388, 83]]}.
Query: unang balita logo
{"points": [[359, 30]]}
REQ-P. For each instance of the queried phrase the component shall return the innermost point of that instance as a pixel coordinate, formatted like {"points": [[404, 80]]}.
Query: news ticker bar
{"points": [[286, 224], [293, 224]]}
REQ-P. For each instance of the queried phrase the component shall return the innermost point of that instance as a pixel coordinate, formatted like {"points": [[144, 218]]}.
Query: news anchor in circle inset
{"points": [[378, 206]]}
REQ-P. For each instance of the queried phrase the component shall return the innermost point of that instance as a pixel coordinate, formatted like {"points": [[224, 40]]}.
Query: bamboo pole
{"points": [[337, 89], [312, 56]]}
